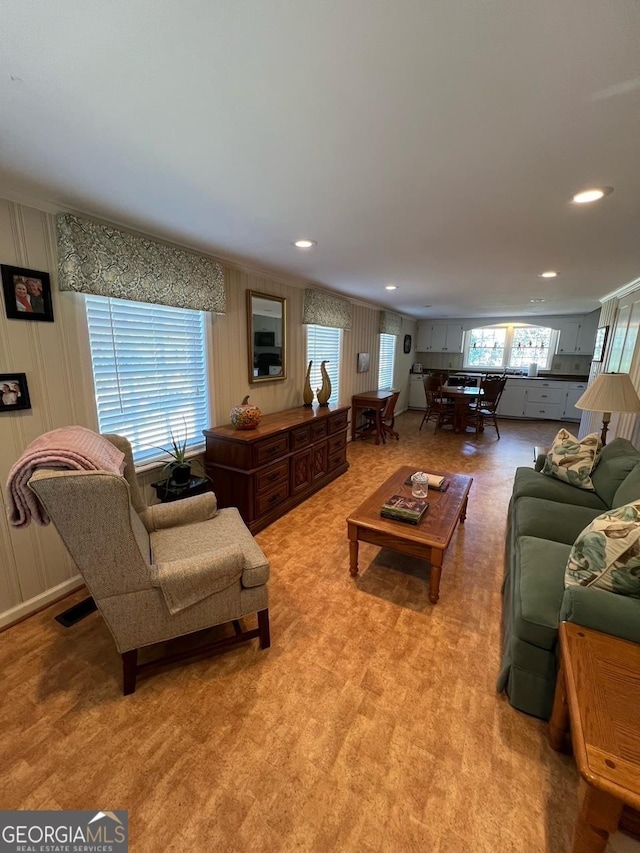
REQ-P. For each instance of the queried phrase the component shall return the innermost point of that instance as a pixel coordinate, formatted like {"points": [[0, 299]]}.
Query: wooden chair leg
{"points": [[263, 628], [129, 671]]}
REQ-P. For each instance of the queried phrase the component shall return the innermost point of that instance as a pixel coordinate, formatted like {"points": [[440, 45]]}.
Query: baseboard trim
{"points": [[39, 602]]}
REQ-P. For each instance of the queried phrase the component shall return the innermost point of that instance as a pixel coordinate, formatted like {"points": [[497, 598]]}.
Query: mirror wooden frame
{"points": [[256, 300]]}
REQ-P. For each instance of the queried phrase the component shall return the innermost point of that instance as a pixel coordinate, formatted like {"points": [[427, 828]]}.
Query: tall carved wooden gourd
{"points": [[324, 392], [307, 394]]}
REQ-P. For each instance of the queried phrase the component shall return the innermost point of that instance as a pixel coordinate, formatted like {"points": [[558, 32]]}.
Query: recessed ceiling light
{"points": [[593, 194], [391, 287], [548, 274], [305, 243], [536, 300]]}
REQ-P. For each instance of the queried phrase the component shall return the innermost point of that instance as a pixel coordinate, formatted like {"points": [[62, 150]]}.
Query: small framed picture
{"points": [[363, 362], [27, 294], [14, 392], [601, 343], [407, 344]]}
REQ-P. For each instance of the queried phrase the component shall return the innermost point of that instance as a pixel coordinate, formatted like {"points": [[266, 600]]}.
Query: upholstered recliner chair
{"points": [[156, 572]]}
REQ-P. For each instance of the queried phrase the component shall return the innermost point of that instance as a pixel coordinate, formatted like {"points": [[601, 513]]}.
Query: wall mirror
{"points": [[266, 336]]}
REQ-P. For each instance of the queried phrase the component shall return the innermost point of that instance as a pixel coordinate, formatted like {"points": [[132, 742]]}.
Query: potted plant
{"points": [[179, 466]]}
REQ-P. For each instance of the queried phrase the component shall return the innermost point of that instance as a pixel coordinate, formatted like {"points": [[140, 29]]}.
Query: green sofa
{"points": [[545, 518]]}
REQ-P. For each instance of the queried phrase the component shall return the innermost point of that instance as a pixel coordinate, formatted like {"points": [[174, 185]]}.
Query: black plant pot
{"points": [[180, 473]]}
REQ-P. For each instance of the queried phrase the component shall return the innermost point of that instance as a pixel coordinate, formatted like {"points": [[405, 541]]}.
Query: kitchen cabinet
{"points": [[440, 337], [513, 399], [578, 336], [575, 390]]}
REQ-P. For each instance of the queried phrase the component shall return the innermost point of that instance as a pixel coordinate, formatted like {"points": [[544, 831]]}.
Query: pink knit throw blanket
{"points": [[72, 448]]}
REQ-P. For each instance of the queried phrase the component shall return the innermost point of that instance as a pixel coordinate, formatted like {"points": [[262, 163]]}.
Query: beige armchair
{"points": [[156, 572]]}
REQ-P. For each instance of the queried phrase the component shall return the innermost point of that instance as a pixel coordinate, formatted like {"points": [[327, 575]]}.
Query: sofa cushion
{"points": [[538, 589], [533, 484], [629, 490], [572, 459], [616, 462], [550, 520], [606, 554]]}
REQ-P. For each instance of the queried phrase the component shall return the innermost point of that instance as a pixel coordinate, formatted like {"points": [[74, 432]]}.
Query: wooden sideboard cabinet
{"points": [[267, 471]]}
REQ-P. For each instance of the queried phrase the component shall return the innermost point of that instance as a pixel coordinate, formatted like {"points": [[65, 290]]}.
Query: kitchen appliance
{"points": [[416, 367]]}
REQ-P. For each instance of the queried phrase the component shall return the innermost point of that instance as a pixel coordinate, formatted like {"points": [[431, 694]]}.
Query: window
{"points": [[323, 343], [149, 373], [387, 359], [499, 347]]}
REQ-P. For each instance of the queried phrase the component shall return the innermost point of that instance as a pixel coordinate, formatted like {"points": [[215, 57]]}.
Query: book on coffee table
{"points": [[436, 481], [400, 508]]}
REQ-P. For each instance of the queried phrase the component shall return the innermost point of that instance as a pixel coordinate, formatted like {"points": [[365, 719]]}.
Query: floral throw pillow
{"points": [[573, 459], [607, 553]]}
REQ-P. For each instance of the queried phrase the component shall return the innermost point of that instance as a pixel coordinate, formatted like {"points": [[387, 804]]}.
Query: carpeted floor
{"points": [[372, 723]]}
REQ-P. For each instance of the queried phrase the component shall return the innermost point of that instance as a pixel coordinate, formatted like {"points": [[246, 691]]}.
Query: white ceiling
{"points": [[429, 143]]}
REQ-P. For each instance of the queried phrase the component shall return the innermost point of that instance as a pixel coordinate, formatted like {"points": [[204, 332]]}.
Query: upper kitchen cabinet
{"points": [[578, 337], [439, 337]]}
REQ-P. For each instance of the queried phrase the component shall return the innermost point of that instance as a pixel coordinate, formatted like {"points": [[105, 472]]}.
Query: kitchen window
{"points": [[509, 346]]}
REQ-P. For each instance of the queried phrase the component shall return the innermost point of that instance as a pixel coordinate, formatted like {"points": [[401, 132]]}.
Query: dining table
{"points": [[462, 398], [372, 401]]}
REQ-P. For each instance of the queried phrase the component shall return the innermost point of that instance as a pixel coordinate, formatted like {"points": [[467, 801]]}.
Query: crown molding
{"points": [[625, 290]]}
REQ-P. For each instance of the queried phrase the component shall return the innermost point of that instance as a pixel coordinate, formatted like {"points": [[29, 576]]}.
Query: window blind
{"points": [[386, 361], [323, 342], [149, 373]]}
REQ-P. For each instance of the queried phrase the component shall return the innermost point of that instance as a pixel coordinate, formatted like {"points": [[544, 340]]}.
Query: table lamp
{"points": [[610, 392]]}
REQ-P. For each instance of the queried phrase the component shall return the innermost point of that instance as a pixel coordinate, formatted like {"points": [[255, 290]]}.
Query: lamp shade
{"points": [[611, 392]]}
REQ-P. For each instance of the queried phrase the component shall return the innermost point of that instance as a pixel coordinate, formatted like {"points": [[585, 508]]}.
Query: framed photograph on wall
{"points": [[14, 392], [363, 362], [27, 294], [601, 343]]}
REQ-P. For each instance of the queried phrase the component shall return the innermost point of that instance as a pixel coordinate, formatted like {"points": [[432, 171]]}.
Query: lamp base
{"points": [[606, 418]]}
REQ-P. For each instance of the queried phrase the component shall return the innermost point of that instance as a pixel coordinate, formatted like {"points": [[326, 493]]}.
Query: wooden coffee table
{"points": [[427, 540], [598, 691]]}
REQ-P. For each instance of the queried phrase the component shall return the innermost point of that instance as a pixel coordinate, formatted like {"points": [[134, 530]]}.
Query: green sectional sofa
{"points": [[545, 518]]}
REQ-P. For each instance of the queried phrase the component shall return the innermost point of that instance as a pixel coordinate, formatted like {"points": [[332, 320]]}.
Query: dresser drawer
{"points": [[336, 459], [272, 499], [544, 394], [318, 430], [271, 448], [337, 422], [272, 475], [543, 411], [300, 437], [336, 442]]}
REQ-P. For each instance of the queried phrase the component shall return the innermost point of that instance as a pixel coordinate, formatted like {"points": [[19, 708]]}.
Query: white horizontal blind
{"points": [[323, 343], [387, 358], [149, 373]]}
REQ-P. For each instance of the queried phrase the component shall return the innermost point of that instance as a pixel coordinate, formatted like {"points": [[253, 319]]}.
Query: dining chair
{"points": [[439, 409], [387, 419], [486, 406]]}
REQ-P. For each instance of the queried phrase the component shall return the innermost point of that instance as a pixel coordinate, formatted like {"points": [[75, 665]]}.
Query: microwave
{"points": [[264, 339]]}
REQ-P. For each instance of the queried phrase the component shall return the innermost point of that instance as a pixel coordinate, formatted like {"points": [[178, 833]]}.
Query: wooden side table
{"points": [[598, 693], [168, 491]]}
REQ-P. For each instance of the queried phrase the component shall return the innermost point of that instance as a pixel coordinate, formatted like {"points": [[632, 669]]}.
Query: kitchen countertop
{"points": [[557, 377]]}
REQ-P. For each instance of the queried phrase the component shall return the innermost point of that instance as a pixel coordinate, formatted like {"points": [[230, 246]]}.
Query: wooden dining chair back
{"points": [[438, 408], [487, 405]]}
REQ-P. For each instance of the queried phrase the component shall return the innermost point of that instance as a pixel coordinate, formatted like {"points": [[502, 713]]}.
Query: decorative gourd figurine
{"points": [[307, 394], [246, 415], [324, 392]]}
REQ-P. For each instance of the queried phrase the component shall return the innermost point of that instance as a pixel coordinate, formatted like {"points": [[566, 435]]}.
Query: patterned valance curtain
{"points": [[102, 260], [325, 309], [390, 324]]}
